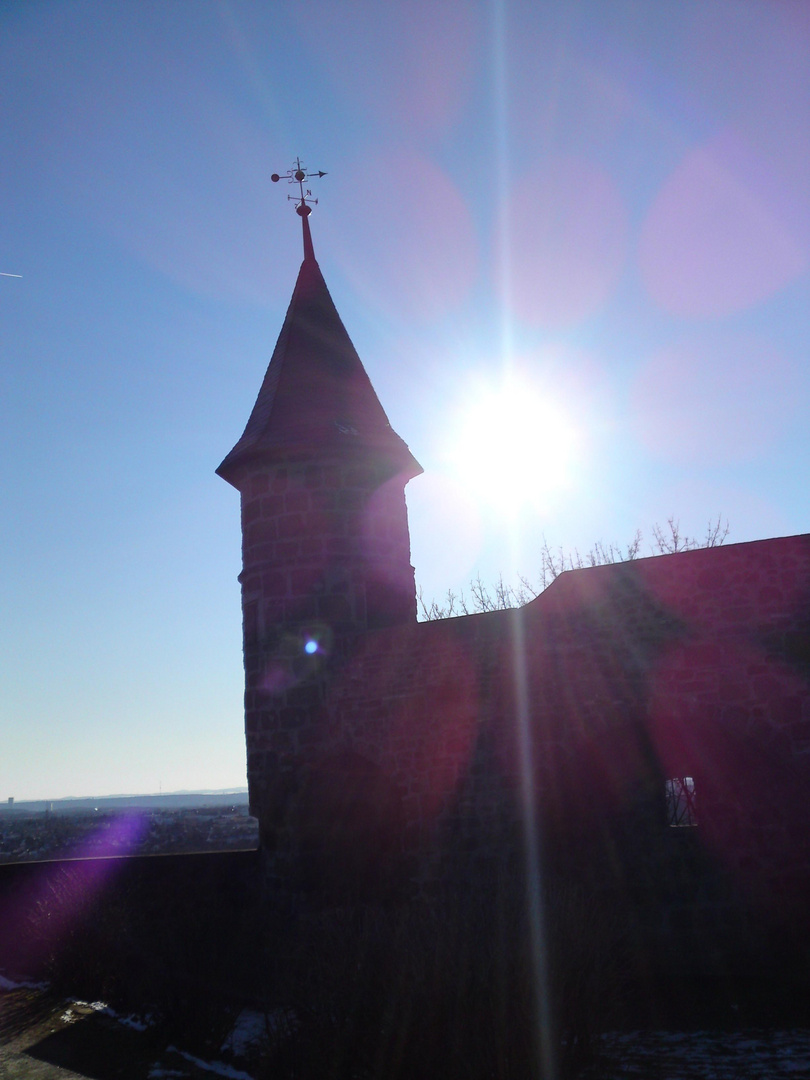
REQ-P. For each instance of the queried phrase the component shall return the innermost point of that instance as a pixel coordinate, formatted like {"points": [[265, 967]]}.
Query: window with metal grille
{"points": [[680, 800]]}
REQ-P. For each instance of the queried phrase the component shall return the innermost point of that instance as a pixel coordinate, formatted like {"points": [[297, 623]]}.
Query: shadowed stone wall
{"points": [[326, 556], [414, 749]]}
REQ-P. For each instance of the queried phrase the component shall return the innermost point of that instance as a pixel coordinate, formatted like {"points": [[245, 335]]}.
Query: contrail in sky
{"points": [[2, 274]]}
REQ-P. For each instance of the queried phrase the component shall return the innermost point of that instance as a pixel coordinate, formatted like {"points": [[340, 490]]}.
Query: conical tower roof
{"points": [[316, 398]]}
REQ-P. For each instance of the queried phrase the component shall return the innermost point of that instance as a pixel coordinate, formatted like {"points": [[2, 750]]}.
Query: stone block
{"points": [[261, 531], [314, 476], [256, 554], [250, 511], [290, 525], [272, 506], [305, 581], [275, 583], [313, 547], [296, 501], [286, 552]]}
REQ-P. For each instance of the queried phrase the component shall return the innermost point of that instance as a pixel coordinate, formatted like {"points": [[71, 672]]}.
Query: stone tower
{"points": [[325, 542]]}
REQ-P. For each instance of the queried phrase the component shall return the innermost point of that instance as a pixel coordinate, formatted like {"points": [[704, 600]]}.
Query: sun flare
{"points": [[513, 445]]}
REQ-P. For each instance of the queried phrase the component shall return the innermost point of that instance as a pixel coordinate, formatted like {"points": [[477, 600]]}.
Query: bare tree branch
{"points": [[667, 540]]}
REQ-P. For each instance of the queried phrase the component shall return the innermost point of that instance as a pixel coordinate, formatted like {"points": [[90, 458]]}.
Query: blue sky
{"points": [[602, 205]]}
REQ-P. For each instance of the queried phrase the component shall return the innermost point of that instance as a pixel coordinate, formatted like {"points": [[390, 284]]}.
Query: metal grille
{"points": [[680, 798]]}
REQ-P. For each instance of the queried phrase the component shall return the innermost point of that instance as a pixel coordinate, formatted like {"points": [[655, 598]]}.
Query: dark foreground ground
{"points": [[43, 1037], [158, 968]]}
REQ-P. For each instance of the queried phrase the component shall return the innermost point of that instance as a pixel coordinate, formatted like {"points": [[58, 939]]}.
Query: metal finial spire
{"points": [[303, 200]]}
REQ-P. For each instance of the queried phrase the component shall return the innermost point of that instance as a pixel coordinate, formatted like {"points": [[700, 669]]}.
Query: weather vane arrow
{"points": [[297, 175]]}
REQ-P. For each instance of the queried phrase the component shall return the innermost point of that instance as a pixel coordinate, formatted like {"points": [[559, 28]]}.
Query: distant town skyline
{"points": [[203, 797], [570, 241]]}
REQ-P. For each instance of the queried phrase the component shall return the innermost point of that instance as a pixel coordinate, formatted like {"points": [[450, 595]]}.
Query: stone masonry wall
{"points": [[690, 665], [326, 556]]}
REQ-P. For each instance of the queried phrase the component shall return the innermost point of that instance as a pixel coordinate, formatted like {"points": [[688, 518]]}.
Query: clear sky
{"points": [[585, 222]]}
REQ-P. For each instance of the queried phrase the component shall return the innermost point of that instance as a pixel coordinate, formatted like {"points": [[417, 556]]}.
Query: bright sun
{"points": [[513, 445]]}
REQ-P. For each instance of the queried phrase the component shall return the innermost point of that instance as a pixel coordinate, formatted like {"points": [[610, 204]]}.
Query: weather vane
{"points": [[297, 175]]}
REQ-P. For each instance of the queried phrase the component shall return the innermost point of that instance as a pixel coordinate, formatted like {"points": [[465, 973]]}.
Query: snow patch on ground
{"points": [[136, 1023], [779, 1055], [133, 1021], [77, 1009]]}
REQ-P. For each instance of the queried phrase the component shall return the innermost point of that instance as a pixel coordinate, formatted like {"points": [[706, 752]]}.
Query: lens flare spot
{"points": [[721, 398], [725, 231], [408, 280]]}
